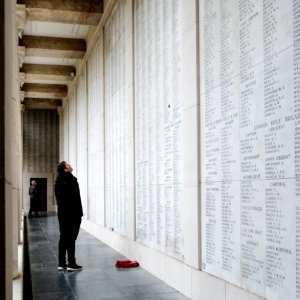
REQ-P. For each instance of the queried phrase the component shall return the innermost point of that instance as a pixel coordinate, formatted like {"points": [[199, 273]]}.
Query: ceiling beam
{"points": [[36, 103], [45, 61], [35, 73], [67, 11], [66, 5], [48, 69], [66, 17], [51, 91], [53, 47]]}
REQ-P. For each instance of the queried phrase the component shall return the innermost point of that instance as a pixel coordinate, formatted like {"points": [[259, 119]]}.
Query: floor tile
{"points": [[54, 283], [99, 279], [55, 296]]}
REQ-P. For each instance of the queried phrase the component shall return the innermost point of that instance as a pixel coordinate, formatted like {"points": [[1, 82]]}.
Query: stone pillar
{"points": [[6, 18], [3, 283], [13, 150], [16, 142]]}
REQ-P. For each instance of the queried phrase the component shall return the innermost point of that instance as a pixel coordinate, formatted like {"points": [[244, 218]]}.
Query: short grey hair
{"points": [[61, 167]]}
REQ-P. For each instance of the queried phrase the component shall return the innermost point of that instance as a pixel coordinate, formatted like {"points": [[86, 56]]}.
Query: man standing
{"points": [[33, 200], [69, 215]]}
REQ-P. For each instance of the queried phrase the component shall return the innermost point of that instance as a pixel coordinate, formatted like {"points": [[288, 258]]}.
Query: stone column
{"points": [[6, 86], [13, 137], [16, 142], [3, 283]]}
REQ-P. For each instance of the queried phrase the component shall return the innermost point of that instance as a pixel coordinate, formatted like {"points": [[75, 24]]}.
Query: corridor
{"points": [[99, 279]]}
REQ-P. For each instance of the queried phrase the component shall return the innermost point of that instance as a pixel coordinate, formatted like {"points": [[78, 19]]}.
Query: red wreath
{"points": [[126, 264]]}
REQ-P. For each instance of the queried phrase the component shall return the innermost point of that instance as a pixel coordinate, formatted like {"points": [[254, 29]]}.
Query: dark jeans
{"points": [[69, 230]]}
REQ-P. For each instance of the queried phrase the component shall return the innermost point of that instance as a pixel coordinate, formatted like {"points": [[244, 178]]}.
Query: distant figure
{"points": [[69, 215], [33, 200]]}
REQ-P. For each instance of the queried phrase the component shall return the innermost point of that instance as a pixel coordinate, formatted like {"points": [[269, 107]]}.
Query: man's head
{"points": [[33, 182], [63, 166]]}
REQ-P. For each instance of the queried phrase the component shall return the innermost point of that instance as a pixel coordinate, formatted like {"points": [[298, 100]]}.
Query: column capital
{"points": [[21, 55], [59, 109], [20, 18], [22, 77]]}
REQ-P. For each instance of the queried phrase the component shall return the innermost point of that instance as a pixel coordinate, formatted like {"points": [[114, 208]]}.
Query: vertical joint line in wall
{"points": [[104, 130], [134, 120], [87, 141], [239, 152], [68, 119], [198, 62], [76, 116]]}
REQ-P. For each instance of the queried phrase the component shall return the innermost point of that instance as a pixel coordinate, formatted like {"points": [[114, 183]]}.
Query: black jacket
{"points": [[32, 192], [68, 196]]}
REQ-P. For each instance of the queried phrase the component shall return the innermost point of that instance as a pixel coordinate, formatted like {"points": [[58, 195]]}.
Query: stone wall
{"points": [[40, 150], [200, 138]]}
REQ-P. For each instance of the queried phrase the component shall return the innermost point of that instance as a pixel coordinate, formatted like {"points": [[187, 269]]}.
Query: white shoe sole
{"points": [[73, 270]]}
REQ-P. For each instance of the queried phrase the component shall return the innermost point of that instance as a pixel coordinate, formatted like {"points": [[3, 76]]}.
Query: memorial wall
{"points": [[118, 120], [40, 141], [81, 139], [250, 136], [158, 125], [64, 123], [72, 157], [95, 132]]}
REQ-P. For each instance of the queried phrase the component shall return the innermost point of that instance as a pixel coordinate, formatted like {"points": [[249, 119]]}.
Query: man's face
{"points": [[68, 168]]}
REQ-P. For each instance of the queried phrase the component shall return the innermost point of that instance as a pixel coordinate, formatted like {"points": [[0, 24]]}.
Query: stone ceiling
{"points": [[53, 38]]}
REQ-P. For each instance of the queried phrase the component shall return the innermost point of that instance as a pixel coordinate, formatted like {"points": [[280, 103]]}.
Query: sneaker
{"points": [[74, 267], [62, 267]]}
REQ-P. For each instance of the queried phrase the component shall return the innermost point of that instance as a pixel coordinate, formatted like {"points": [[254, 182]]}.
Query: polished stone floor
{"points": [[99, 279]]}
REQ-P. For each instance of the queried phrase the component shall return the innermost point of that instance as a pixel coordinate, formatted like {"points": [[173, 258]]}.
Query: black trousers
{"points": [[69, 230], [33, 207]]}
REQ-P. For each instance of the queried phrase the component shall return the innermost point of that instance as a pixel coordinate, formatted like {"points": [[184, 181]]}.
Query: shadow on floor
{"points": [[99, 279]]}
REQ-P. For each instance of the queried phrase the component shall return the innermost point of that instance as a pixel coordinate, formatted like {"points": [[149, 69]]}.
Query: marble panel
{"points": [[178, 275], [233, 292], [156, 263], [189, 68], [118, 121], [191, 226], [159, 120], [189, 14], [65, 133], [81, 140], [190, 146], [207, 287], [72, 132], [249, 152]]}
